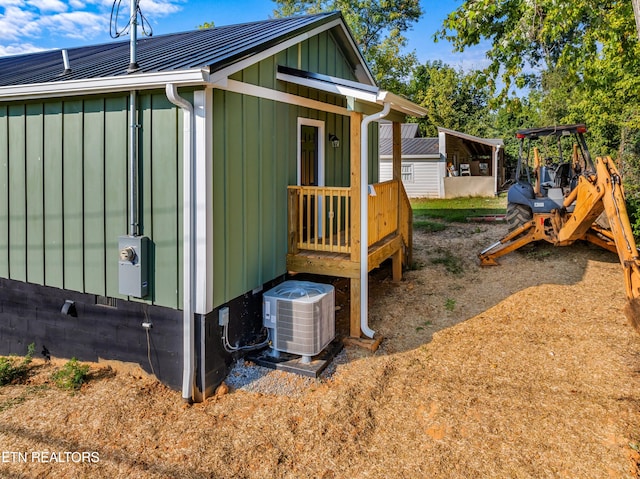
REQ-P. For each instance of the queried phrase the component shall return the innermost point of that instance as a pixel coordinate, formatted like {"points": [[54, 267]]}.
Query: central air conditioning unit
{"points": [[300, 316]]}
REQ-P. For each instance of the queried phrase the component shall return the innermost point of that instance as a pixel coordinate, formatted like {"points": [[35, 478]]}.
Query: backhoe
{"points": [[562, 201]]}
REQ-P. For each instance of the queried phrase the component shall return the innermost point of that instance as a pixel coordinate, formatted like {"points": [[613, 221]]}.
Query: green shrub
{"points": [[71, 376], [14, 369]]}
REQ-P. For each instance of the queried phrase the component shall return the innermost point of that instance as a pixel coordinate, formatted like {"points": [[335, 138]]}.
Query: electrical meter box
{"points": [[133, 266]]}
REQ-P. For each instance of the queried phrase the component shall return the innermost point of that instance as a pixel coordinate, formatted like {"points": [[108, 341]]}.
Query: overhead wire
{"points": [[115, 14]]}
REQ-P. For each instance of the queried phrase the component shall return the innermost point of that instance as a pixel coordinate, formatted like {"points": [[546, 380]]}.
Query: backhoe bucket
{"points": [[632, 312]]}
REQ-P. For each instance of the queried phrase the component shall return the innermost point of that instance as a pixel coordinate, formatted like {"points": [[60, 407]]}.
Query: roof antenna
{"points": [[133, 34]]}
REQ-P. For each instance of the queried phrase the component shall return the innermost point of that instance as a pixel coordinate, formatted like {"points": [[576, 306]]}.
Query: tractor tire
{"points": [[517, 215]]}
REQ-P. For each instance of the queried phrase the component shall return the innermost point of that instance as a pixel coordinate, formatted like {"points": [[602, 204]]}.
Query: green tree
{"points": [[452, 98], [377, 27], [581, 57], [526, 36]]}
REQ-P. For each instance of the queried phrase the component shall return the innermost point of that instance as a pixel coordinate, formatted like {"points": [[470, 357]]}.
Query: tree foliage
{"points": [[377, 27], [452, 99], [578, 60]]}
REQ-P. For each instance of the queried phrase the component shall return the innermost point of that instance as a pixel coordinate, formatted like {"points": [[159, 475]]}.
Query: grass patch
{"points": [[457, 209], [538, 254], [451, 263], [450, 304], [424, 324], [428, 226], [13, 369], [26, 394]]}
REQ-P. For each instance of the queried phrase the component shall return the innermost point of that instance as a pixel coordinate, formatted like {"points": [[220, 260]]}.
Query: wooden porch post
{"points": [[397, 151], [396, 260], [355, 285]]}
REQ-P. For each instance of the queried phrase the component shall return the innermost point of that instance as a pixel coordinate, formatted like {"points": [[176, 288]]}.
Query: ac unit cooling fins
{"points": [[300, 316]]}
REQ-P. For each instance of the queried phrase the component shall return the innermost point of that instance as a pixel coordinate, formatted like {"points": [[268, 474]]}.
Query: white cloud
{"points": [[75, 24], [11, 3], [158, 7], [14, 22], [34, 22], [49, 5], [18, 49]]}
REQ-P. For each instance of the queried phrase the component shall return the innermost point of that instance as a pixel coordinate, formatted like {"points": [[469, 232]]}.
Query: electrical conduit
{"points": [[189, 236], [364, 217]]}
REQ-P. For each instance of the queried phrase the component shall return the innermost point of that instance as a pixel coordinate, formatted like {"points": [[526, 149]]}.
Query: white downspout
{"points": [[495, 170], [364, 217], [189, 246]]}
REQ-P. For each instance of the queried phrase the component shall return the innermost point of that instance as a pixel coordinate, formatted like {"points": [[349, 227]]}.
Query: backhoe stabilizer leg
{"points": [[602, 238], [632, 312], [632, 286], [518, 238]]}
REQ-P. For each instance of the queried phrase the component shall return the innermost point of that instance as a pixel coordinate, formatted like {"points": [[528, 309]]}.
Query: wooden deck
{"points": [[341, 265]]}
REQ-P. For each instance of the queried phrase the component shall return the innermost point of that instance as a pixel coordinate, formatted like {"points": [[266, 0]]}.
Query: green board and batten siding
{"points": [[64, 181], [255, 159], [64, 192]]}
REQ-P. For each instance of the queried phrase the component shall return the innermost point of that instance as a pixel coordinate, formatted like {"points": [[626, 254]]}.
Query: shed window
{"points": [[407, 173]]}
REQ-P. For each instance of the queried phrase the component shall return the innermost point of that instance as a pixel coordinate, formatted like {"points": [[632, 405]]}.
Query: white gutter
{"points": [[139, 81], [364, 218], [189, 246]]}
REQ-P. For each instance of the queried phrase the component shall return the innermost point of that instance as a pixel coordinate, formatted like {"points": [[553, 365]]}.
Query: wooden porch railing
{"points": [[406, 225], [320, 216], [383, 210]]}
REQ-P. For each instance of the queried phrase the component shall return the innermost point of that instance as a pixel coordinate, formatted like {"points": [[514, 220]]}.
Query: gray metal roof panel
{"points": [[215, 48], [411, 146], [407, 130]]}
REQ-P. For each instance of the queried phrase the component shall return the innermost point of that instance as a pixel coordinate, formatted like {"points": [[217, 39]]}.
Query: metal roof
{"points": [[492, 142], [214, 48], [407, 130], [427, 147]]}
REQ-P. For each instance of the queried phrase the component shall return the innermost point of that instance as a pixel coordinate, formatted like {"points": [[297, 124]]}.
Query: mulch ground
{"points": [[526, 370]]}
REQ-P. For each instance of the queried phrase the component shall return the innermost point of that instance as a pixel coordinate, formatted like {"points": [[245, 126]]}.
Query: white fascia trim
{"points": [[359, 93], [219, 75], [492, 142], [203, 199], [401, 104], [275, 95], [358, 53], [137, 81]]}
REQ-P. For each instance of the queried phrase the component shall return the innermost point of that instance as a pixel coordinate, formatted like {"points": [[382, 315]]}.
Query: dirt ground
{"points": [[525, 370]]}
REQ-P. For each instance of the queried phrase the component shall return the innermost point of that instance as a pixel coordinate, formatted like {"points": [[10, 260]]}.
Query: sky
{"points": [[32, 25]]}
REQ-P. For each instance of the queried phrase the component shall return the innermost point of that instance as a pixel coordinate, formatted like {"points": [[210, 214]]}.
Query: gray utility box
{"points": [[133, 266]]}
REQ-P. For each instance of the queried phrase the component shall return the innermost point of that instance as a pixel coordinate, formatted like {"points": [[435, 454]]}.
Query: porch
{"points": [[324, 233]]}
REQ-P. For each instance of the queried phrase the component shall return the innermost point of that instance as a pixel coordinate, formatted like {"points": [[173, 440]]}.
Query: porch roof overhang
{"points": [[359, 91], [478, 146]]}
